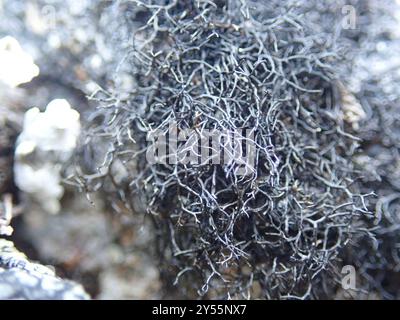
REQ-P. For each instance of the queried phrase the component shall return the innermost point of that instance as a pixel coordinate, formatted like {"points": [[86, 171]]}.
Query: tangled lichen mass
{"points": [[201, 149], [229, 66]]}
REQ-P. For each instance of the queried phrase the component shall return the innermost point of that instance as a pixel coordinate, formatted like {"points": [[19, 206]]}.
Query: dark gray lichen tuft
{"points": [[231, 65]]}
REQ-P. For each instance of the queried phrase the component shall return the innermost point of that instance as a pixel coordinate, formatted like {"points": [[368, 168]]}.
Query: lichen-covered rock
{"points": [[46, 142], [16, 66], [22, 279]]}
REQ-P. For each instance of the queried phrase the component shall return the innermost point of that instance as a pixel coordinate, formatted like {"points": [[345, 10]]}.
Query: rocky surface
{"points": [[22, 279]]}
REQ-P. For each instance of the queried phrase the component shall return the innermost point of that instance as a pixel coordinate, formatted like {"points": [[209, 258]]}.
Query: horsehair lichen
{"points": [[229, 65]]}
